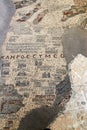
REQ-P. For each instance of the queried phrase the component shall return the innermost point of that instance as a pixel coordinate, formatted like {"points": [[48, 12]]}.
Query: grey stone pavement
{"points": [[6, 12]]}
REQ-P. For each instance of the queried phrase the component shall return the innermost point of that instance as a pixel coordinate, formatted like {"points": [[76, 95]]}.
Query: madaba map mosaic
{"points": [[43, 65]]}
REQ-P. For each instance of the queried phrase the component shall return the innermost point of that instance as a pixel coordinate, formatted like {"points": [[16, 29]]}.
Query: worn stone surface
{"points": [[80, 2], [74, 43], [6, 12], [74, 117], [42, 82], [78, 73]]}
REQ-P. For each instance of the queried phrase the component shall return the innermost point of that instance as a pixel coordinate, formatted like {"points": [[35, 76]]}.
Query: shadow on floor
{"points": [[41, 118]]}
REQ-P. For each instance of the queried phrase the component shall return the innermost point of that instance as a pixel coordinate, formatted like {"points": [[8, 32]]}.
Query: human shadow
{"points": [[41, 118]]}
